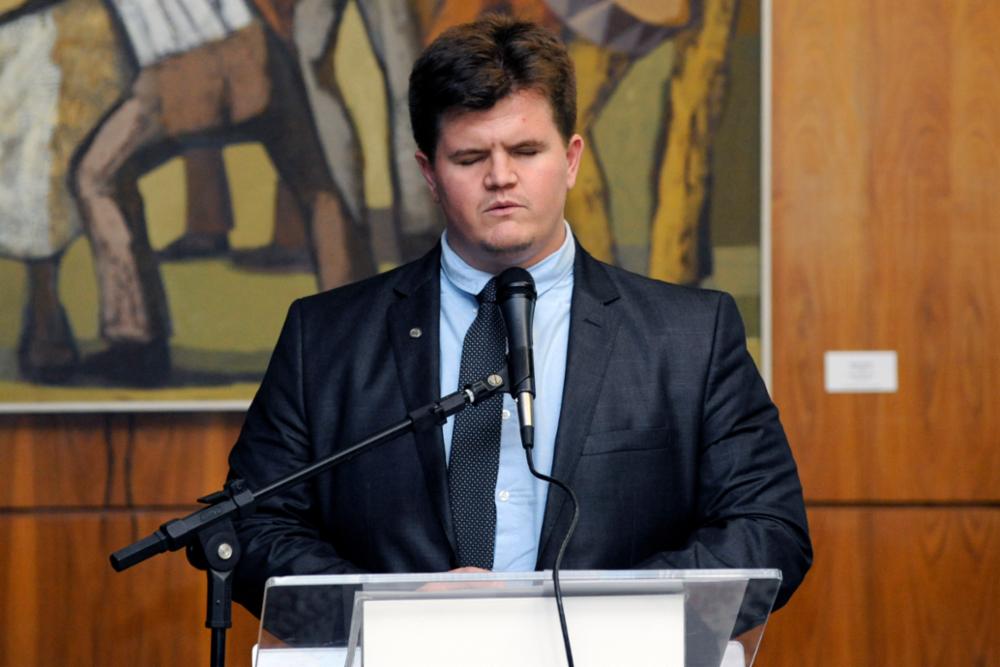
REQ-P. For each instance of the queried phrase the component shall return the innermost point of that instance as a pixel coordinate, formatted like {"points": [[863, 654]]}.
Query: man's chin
{"points": [[508, 254], [507, 250]]}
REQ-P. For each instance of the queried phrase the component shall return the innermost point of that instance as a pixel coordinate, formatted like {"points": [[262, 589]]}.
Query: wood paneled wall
{"points": [[79, 487], [886, 233], [886, 228]]}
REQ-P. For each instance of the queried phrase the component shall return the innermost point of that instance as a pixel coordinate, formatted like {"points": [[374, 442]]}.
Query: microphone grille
{"points": [[515, 281]]}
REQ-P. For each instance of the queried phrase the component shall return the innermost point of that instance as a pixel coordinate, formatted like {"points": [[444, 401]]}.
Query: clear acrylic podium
{"points": [[675, 618]]}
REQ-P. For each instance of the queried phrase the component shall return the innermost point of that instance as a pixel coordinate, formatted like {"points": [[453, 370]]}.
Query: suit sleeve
{"points": [[751, 510], [284, 536]]}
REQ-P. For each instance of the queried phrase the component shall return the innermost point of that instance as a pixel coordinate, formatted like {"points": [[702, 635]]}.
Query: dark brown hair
{"points": [[475, 65]]}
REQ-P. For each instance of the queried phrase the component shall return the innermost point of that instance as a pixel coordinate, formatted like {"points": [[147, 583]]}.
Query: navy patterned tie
{"points": [[475, 440]]}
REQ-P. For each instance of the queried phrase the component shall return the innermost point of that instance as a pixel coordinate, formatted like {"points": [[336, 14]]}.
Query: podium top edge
{"points": [[701, 576]]}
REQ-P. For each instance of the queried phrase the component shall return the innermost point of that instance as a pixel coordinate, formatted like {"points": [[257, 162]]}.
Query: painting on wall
{"points": [[174, 174]]}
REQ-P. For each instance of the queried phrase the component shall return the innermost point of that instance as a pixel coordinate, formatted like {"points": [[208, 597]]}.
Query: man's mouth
{"points": [[503, 206]]}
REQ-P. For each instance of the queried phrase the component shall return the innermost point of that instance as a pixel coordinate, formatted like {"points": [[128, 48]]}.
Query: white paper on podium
{"points": [[325, 657], [634, 630], [302, 657]]}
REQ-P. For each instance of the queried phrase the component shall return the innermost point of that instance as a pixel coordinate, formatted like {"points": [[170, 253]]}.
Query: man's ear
{"points": [[427, 169], [574, 151]]}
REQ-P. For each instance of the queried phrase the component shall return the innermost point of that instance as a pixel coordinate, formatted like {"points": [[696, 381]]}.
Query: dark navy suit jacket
{"points": [[667, 435]]}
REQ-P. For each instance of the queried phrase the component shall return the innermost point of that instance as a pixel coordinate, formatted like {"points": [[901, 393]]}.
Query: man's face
{"points": [[501, 177]]}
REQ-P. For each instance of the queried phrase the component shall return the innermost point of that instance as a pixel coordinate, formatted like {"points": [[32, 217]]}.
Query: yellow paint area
{"points": [[360, 79], [92, 77], [695, 95], [587, 202], [658, 12], [165, 199], [18, 392], [252, 186]]}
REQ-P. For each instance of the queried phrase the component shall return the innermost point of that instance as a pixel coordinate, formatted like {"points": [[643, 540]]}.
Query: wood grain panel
{"points": [[60, 460], [114, 460], [176, 458], [886, 226], [63, 604], [899, 586]]}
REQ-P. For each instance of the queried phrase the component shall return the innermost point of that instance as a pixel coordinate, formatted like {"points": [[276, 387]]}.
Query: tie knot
{"points": [[489, 293]]}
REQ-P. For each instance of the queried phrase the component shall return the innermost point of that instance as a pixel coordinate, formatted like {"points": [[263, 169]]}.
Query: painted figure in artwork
{"points": [[61, 70], [207, 72], [312, 27], [203, 68]]}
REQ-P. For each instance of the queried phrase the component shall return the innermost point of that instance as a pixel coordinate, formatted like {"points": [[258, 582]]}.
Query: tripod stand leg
{"points": [[218, 647], [219, 612]]}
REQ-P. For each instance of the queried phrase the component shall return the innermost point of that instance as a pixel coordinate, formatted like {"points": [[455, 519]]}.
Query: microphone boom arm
{"points": [[210, 538]]}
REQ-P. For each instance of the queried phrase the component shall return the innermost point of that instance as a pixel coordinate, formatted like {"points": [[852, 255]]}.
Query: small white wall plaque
{"points": [[860, 371]]}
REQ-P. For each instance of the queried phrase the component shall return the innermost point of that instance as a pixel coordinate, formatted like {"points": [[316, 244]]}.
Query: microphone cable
{"points": [[562, 550]]}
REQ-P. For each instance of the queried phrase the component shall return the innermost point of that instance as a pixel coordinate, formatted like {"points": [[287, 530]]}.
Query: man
{"points": [[648, 403]]}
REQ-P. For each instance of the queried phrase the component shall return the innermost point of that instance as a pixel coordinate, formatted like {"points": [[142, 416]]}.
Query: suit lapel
{"points": [[593, 326], [418, 363]]}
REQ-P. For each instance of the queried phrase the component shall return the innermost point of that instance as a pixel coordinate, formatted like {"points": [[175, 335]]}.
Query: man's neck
{"points": [[471, 279]]}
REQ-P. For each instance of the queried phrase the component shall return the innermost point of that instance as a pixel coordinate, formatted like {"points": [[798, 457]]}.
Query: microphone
{"points": [[516, 296]]}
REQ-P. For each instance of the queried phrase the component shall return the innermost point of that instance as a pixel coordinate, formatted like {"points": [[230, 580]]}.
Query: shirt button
{"points": [[505, 414], [504, 495]]}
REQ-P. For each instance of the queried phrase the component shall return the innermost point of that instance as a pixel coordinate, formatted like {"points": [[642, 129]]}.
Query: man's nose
{"points": [[501, 173]]}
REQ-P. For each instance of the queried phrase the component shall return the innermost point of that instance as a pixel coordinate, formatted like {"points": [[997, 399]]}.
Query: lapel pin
{"points": [[415, 332]]}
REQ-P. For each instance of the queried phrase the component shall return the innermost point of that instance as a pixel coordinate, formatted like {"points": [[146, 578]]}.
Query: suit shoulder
{"points": [[369, 294], [659, 294]]}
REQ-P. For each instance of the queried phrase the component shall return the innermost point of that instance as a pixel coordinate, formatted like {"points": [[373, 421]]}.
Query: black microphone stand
{"points": [[209, 537]]}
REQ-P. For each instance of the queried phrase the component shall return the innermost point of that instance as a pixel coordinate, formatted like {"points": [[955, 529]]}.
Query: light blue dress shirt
{"points": [[519, 497]]}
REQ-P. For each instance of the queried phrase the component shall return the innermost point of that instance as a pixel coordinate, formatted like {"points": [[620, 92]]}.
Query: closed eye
{"points": [[466, 158], [528, 148]]}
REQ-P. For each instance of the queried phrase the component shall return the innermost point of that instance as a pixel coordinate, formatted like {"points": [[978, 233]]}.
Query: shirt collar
{"points": [[547, 273]]}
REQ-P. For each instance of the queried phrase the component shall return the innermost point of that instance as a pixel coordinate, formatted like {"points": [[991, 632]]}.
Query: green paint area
{"points": [[734, 204], [627, 136], [225, 324], [628, 139]]}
